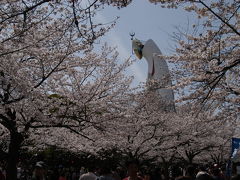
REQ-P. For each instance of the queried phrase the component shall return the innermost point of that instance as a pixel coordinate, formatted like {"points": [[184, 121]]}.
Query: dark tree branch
{"points": [[220, 18], [75, 18], [25, 11], [91, 24], [89, 7], [54, 69], [70, 127]]}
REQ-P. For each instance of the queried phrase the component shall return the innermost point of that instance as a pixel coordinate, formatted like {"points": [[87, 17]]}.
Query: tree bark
{"points": [[13, 155], [165, 168]]}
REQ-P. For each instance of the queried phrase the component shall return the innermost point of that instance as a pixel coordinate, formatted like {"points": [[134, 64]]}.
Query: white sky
{"points": [[147, 20]]}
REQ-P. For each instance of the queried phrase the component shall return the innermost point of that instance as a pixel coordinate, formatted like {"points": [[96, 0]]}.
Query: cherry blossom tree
{"points": [[148, 132], [209, 54], [144, 131], [208, 69], [201, 137], [50, 78]]}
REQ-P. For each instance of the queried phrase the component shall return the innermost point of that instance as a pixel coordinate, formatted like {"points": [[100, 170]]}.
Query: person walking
{"points": [[132, 168], [39, 172], [89, 175]]}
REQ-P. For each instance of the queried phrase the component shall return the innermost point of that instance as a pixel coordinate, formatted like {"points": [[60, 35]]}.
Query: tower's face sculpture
{"points": [[137, 48]]}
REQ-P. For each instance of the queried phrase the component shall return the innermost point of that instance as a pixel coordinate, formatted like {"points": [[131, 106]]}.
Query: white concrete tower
{"points": [[159, 78]]}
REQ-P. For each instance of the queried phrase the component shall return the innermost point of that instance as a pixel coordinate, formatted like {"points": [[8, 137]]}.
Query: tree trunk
{"points": [[190, 156], [13, 155], [165, 168]]}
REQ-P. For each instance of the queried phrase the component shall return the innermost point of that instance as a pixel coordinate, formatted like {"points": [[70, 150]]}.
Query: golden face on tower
{"points": [[137, 48]]}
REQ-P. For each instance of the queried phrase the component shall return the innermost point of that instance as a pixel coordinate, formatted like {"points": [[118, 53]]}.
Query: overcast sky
{"points": [[147, 20]]}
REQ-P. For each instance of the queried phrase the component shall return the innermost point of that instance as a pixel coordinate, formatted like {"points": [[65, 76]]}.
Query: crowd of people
{"points": [[131, 171]]}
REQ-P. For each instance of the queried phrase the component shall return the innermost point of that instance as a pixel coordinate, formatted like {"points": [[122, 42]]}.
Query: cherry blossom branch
{"points": [[220, 18], [54, 69], [91, 24], [225, 69], [25, 47], [25, 11], [62, 126], [5, 121], [89, 7], [75, 18]]}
